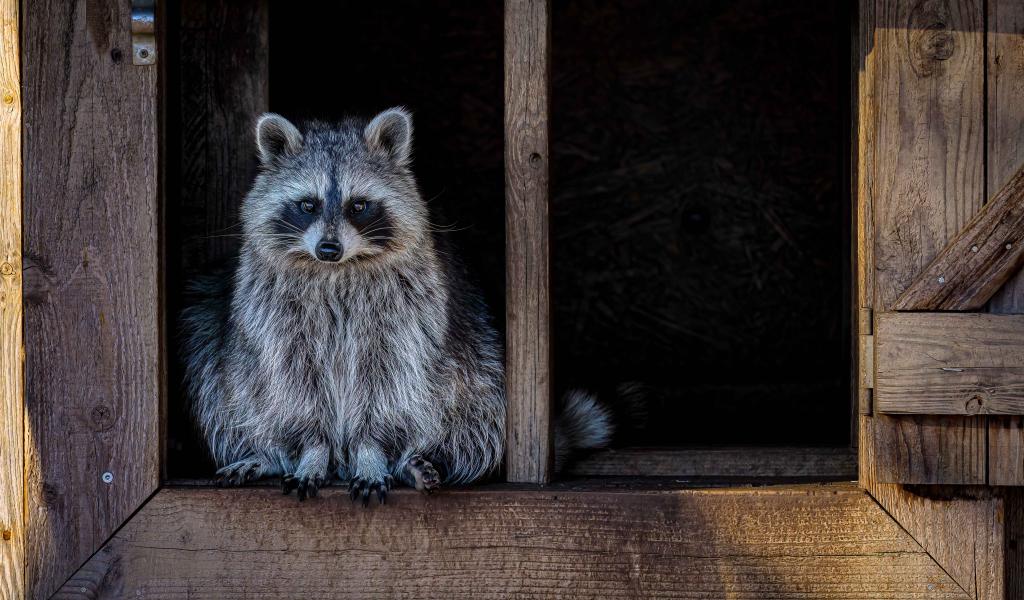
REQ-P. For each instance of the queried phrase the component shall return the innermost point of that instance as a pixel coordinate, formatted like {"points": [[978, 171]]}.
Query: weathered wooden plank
{"points": [[961, 534], [926, 182], [789, 542], [224, 87], [964, 534], [12, 352], [90, 282], [776, 462], [1005, 40], [949, 363], [978, 261], [528, 313]]}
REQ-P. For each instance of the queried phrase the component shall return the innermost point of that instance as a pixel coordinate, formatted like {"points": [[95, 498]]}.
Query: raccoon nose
{"points": [[328, 251]]}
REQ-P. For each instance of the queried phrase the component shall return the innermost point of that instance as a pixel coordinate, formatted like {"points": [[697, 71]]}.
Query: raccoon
{"points": [[349, 340]]}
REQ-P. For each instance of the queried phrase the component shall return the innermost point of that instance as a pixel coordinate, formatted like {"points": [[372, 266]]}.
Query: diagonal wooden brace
{"points": [[978, 261]]}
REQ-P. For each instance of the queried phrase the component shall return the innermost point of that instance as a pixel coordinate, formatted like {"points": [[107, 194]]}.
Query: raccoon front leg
{"points": [[370, 474], [311, 473]]}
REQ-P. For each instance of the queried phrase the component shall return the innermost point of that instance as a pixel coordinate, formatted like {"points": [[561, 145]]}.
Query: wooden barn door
{"points": [[91, 277], [940, 240], [942, 230]]}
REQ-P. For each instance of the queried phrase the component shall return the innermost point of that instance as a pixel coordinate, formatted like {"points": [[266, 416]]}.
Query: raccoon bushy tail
{"points": [[587, 422]]}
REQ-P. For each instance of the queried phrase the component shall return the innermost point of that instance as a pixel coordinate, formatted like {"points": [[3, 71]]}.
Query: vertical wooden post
{"points": [[925, 184], [528, 302], [12, 407], [92, 247], [1005, 41]]}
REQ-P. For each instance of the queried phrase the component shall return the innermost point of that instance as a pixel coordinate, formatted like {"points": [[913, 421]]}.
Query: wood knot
{"points": [[535, 160], [930, 39], [929, 47], [7, 269], [7, 534], [974, 404], [101, 417], [51, 495]]}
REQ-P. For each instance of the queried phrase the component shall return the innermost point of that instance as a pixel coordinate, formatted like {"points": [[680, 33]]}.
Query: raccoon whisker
{"points": [[288, 225], [232, 226]]}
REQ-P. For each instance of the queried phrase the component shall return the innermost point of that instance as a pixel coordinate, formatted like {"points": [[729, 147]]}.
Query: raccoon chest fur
{"points": [[353, 354]]}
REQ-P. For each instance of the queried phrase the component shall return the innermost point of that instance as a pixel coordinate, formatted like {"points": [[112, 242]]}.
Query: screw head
{"points": [[942, 280], [1009, 246], [107, 477], [974, 248]]}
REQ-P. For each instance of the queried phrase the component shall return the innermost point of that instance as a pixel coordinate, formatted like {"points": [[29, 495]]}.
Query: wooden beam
{"points": [[831, 464], [815, 541], [949, 364], [978, 261], [528, 303], [925, 182], [1005, 40], [91, 280], [12, 351]]}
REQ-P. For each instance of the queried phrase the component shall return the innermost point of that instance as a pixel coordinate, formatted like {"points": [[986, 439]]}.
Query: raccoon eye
{"points": [[359, 206], [307, 206]]}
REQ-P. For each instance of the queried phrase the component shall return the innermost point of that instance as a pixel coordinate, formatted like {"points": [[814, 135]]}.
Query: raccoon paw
{"points": [[424, 476], [306, 486], [360, 488], [240, 472]]}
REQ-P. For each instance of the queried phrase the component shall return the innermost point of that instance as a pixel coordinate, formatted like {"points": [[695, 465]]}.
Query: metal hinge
{"points": [[865, 360], [144, 32]]}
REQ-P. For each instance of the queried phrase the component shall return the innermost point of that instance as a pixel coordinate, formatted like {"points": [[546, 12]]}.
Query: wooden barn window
{"points": [[621, 102], [622, 113], [131, 174]]}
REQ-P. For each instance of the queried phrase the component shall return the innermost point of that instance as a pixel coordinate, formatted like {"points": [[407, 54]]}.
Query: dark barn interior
{"points": [[699, 190]]}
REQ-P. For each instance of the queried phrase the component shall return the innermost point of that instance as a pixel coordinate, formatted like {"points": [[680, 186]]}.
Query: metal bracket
{"points": [[866, 360], [144, 32]]}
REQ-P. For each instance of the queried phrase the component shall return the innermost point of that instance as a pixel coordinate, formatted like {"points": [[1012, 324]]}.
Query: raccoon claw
{"points": [[424, 475], [306, 487], [238, 473], [361, 489]]}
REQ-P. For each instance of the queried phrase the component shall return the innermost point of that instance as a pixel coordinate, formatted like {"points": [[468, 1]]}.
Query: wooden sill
{"points": [[787, 463], [654, 469]]}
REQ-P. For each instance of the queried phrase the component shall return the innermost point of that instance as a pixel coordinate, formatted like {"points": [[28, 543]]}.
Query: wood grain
{"points": [[811, 541], [90, 282], [962, 534], [949, 363], [978, 261], [1005, 40], [12, 351], [926, 183], [742, 462], [528, 457]]}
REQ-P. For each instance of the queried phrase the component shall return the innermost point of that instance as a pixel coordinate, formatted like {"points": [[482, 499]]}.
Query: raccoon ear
{"points": [[389, 134], [275, 137]]}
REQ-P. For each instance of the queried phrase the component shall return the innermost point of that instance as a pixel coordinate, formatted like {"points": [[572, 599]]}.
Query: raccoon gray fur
{"points": [[349, 340]]}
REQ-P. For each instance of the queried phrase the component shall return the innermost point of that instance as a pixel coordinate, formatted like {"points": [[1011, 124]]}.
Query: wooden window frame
{"points": [[69, 530]]}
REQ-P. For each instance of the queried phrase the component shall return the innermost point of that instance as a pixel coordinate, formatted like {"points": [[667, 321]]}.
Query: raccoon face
{"points": [[334, 195]]}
